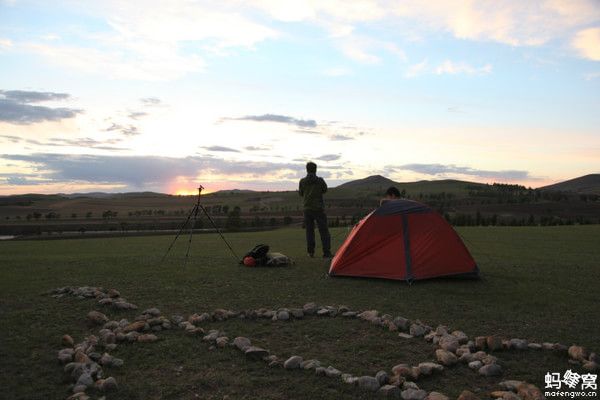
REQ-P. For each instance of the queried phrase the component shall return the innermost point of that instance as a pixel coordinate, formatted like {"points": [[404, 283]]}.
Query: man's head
{"points": [[311, 167], [392, 193]]}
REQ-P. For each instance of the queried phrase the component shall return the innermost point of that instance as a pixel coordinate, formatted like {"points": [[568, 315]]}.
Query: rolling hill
{"points": [[462, 202], [587, 184]]}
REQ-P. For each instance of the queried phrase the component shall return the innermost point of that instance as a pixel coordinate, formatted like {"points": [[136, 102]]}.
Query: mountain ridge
{"points": [[586, 184]]}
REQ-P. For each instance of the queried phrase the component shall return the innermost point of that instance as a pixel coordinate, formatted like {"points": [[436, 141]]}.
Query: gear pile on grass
{"points": [[83, 363]]}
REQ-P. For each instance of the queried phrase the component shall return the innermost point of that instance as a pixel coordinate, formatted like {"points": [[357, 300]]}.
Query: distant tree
{"points": [[88, 214], [225, 209], [257, 222], [108, 214], [37, 215], [287, 220], [233, 219], [28, 217], [74, 215]]}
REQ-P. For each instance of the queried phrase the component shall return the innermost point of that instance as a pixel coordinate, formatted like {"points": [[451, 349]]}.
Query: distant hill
{"points": [[108, 195], [369, 181], [461, 202], [234, 191], [587, 184], [376, 185]]}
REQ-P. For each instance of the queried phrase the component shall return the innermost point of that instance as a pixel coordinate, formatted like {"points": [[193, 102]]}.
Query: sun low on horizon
{"points": [[163, 96]]}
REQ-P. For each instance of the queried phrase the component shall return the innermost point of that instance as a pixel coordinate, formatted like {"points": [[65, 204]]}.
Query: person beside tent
{"points": [[312, 188], [392, 193]]}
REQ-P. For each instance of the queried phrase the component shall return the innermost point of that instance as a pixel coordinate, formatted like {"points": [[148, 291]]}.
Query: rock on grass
{"points": [[96, 318], [389, 392], [147, 338], [369, 383], [293, 362], [255, 353], [242, 343]]}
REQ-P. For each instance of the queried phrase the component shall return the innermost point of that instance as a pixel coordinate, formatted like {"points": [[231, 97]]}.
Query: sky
{"points": [[136, 95]]}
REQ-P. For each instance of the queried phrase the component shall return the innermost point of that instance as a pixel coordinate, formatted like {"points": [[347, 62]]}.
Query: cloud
{"points": [[130, 131], [147, 102], [367, 50], [11, 138], [284, 119], [137, 114], [152, 40], [359, 53], [340, 137], [332, 130], [221, 149], [127, 130], [85, 142], [18, 180], [329, 157], [416, 69], [165, 40], [144, 171], [445, 169], [5, 44], [25, 96], [116, 60], [512, 22], [151, 101], [447, 67], [16, 107], [310, 131], [453, 68], [256, 148], [587, 43]]}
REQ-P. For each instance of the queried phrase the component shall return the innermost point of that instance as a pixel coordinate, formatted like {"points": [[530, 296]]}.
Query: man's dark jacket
{"points": [[312, 188]]}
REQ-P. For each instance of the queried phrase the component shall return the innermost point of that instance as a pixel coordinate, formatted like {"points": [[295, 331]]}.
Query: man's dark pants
{"points": [[310, 216]]}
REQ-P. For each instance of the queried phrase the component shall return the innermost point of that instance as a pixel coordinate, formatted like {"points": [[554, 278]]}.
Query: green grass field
{"points": [[540, 284]]}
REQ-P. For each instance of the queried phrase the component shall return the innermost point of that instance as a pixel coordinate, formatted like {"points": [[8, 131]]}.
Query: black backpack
{"points": [[259, 253]]}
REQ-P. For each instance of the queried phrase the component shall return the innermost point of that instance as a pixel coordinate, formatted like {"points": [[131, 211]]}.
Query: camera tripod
{"points": [[194, 214]]}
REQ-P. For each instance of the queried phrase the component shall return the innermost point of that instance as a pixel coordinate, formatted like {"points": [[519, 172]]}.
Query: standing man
{"points": [[312, 188]]}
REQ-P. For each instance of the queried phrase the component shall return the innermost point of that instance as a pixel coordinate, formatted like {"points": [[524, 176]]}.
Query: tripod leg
{"points": [[218, 231], [187, 253], [192, 212]]}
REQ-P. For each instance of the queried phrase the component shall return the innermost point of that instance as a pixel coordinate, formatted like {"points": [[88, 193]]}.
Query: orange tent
{"points": [[403, 240]]}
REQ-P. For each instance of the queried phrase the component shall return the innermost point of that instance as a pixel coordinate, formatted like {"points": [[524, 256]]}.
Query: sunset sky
{"points": [[162, 95]]}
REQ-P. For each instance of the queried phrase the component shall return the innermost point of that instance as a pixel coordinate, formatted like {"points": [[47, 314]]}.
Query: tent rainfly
{"points": [[403, 240]]}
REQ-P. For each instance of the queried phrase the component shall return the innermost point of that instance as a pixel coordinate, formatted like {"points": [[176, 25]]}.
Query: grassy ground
{"points": [[538, 283]]}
